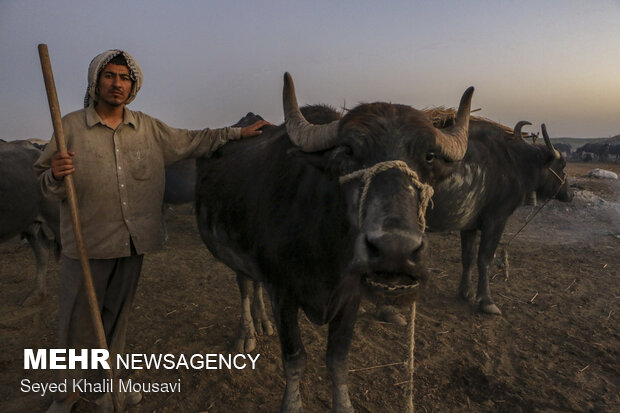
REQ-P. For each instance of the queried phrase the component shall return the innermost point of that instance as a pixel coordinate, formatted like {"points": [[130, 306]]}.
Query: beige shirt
{"points": [[119, 178]]}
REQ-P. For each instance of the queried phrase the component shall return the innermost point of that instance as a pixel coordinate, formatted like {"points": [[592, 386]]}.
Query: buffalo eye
{"points": [[340, 159], [347, 150], [341, 153], [430, 156]]}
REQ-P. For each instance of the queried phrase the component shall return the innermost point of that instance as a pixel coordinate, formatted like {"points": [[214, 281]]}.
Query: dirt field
{"points": [[556, 348]]}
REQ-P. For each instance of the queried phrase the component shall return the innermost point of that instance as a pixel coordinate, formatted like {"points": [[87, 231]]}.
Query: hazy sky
{"points": [[207, 63]]}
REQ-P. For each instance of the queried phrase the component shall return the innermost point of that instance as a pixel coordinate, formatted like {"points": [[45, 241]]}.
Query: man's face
{"points": [[114, 84]]}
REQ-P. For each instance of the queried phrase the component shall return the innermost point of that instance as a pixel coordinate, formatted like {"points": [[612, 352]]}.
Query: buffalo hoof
{"points": [[465, 293], [389, 314], [490, 308], [292, 405], [105, 404], [264, 327], [245, 345], [343, 409], [133, 398]]}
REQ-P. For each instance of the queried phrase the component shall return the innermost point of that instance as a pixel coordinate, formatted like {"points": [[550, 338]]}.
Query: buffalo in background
{"points": [[599, 151], [181, 176], [25, 211], [478, 194]]}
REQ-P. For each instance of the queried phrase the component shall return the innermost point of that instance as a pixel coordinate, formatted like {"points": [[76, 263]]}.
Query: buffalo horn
{"points": [[309, 137], [555, 152], [453, 140], [518, 126]]}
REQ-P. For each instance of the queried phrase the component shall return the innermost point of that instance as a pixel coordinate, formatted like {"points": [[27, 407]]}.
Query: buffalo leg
{"points": [[489, 239], [338, 344], [293, 352], [41, 254], [468, 241], [262, 324], [246, 334]]}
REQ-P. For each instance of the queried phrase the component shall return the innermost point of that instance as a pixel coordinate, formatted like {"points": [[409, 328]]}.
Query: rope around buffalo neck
{"points": [[425, 193]]}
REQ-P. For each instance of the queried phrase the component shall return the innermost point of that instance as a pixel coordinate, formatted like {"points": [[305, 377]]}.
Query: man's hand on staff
{"points": [[254, 129], [62, 165]]}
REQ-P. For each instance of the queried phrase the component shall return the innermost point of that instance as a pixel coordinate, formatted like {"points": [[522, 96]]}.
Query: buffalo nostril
{"points": [[397, 248], [372, 250], [416, 255]]}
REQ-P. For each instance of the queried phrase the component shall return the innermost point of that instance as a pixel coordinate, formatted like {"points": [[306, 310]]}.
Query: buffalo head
{"points": [[382, 155], [554, 183]]}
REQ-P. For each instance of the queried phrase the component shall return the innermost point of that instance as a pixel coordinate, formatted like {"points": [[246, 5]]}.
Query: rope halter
{"points": [[425, 192], [561, 179]]}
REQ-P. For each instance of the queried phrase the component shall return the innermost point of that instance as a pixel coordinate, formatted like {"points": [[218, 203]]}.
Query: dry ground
{"points": [[556, 347]]}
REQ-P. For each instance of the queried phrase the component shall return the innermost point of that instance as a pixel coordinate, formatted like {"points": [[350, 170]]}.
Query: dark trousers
{"points": [[115, 282]]}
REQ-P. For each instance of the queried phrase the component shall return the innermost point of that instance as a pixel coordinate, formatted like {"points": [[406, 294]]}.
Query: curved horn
{"points": [[518, 126], [453, 140], [554, 151], [309, 137]]}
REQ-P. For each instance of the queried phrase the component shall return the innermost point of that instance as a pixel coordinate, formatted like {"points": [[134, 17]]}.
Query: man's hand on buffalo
{"points": [[254, 129]]}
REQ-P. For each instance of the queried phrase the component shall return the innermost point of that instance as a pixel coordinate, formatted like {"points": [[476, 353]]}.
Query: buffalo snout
{"points": [[393, 251], [565, 194], [391, 262]]}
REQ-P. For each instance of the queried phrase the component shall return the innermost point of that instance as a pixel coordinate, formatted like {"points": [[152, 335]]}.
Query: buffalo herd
{"points": [[328, 208]]}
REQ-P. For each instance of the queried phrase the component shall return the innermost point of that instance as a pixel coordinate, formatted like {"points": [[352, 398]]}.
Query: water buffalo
{"points": [[181, 176], [319, 228], [25, 211], [180, 182], [499, 173], [615, 151], [595, 151], [180, 187], [479, 193]]}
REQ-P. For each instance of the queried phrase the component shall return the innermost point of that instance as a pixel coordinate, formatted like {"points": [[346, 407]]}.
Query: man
{"points": [[117, 158]]}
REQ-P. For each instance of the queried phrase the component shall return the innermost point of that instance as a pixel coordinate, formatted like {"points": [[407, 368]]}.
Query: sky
{"points": [[208, 63]]}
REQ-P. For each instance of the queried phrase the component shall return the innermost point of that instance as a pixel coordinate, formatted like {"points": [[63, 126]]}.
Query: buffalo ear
{"points": [[316, 159]]}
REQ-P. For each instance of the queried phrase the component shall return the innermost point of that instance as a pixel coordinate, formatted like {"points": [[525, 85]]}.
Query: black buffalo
{"points": [[180, 185], [25, 211], [478, 194], [600, 151], [319, 228], [614, 150], [181, 176], [180, 182]]}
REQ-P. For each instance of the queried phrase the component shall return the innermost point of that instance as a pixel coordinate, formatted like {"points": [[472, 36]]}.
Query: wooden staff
{"points": [[52, 98]]}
